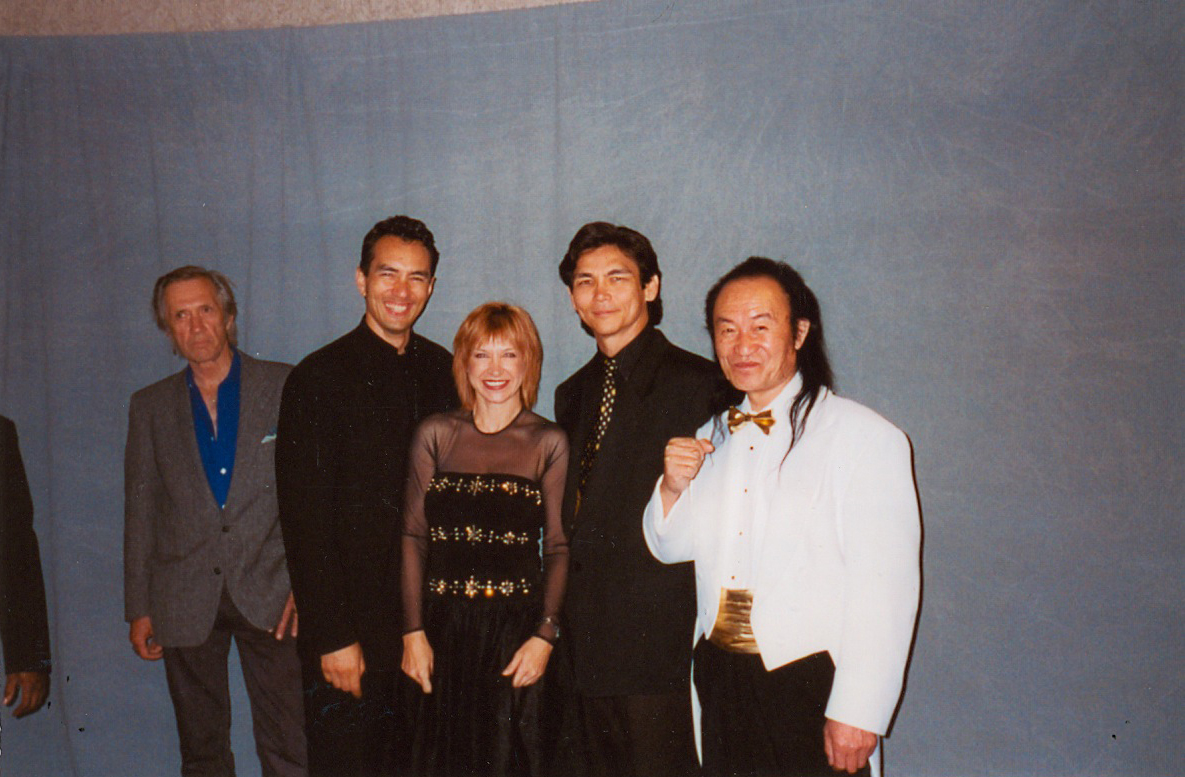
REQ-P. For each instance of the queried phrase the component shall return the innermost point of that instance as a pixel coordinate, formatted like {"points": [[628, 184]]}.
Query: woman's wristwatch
{"points": [[548, 620]]}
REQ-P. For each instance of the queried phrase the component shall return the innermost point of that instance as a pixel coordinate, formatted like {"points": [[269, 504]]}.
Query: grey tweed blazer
{"points": [[180, 548]]}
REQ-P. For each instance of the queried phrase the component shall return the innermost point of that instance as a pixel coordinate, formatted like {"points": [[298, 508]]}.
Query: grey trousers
{"points": [[199, 687]]}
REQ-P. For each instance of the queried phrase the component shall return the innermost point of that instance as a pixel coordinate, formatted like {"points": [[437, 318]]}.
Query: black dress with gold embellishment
{"points": [[485, 562]]}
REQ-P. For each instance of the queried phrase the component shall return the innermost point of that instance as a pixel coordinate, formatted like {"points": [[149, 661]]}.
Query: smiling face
{"points": [[756, 341], [197, 324], [495, 371], [608, 295], [396, 288]]}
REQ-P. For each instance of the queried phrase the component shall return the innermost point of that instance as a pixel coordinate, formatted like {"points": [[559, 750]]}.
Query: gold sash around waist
{"points": [[732, 630]]}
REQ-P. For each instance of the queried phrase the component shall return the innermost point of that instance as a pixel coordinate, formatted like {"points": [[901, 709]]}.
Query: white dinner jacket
{"points": [[837, 563]]}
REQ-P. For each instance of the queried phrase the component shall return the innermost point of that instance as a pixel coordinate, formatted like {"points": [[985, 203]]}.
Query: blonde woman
{"points": [[481, 592]]}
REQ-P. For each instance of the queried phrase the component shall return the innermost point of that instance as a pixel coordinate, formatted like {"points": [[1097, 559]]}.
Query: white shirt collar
{"points": [[780, 407]]}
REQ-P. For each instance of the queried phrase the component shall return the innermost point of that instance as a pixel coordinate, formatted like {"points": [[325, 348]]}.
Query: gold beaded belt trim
{"points": [[484, 484], [476, 534], [473, 588], [732, 631]]}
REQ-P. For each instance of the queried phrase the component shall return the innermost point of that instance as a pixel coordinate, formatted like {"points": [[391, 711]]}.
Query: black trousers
{"points": [[757, 723], [350, 737], [638, 735], [199, 686]]}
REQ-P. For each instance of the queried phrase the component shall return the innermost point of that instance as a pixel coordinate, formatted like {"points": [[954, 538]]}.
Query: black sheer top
{"points": [[479, 500]]}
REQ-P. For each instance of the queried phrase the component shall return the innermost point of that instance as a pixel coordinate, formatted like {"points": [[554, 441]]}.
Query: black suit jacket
{"points": [[24, 628], [630, 618]]}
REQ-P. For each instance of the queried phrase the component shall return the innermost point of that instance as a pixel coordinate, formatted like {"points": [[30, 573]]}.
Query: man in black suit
{"points": [[24, 629], [346, 420], [629, 619]]}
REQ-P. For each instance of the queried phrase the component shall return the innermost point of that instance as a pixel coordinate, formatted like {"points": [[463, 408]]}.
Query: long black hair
{"points": [[804, 306]]}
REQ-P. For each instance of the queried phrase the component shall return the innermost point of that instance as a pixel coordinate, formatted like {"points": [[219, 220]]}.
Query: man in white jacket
{"points": [[800, 513]]}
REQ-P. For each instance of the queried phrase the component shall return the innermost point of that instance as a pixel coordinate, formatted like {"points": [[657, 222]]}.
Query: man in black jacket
{"points": [[24, 629], [629, 619], [346, 420]]}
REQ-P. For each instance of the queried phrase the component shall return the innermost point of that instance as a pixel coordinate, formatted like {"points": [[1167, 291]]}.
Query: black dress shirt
{"points": [[346, 421]]}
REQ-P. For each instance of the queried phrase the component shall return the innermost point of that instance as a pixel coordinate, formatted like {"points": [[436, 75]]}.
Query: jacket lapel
{"points": [[798, 485], [569, 416], [568, 406], [252, 420], [183, 439], [629, 412]]}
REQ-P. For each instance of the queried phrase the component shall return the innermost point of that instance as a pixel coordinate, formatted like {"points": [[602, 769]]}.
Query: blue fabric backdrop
{"points": [[987, 197]]}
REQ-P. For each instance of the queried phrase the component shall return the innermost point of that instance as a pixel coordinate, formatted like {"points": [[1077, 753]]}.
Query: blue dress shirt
{"points": [[217, 446]]}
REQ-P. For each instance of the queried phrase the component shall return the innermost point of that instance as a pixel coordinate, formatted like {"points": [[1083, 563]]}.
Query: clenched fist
{"points": [[681, 462]]}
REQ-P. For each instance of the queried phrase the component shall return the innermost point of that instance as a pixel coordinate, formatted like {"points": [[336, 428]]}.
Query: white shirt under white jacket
{"points": [[826, 538]]}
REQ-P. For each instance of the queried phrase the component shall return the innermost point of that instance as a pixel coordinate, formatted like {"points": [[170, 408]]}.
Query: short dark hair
{"points": [[404, 228], [632, 243], [223, 291], [812, 359]]}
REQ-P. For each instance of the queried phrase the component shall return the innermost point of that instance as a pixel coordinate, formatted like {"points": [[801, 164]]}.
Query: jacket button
{"points": [[225, 529], [218, 570]]}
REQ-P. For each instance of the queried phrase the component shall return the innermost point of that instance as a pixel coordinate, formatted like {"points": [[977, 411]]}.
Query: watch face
{"points": [[548, 620]]}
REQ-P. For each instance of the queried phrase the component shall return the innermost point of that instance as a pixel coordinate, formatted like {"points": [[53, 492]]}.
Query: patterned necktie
{"points": [[764, 420], [604, 414]]}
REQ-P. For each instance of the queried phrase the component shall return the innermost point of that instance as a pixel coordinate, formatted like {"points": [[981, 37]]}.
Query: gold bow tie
{"points": [[764, 420]]}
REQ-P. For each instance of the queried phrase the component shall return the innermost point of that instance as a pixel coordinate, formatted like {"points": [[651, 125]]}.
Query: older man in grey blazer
{"points": [[203, 554]]}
